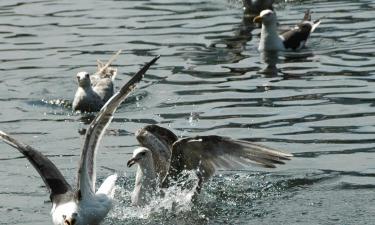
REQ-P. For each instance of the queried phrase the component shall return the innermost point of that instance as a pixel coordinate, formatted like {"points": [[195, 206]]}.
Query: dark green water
{"points": [[318, 104]]}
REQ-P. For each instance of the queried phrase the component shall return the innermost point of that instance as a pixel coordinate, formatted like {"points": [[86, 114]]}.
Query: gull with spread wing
{"points": [[163, 157], [80, 206]]}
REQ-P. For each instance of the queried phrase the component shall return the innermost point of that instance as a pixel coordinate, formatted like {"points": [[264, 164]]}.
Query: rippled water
{"points": [[317, 104]]}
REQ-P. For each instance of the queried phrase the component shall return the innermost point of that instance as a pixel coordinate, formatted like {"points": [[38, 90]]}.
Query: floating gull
{"points": [[294, 39], [95, 90], [256, 6], [163, 157], [80, 206]]}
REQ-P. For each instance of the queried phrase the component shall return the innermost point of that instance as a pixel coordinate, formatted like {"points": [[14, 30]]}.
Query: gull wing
{"points": [[297, 37], [51, 176], [208, 153], [307, 18], [87, 172], [104, 88], [105, 70]]}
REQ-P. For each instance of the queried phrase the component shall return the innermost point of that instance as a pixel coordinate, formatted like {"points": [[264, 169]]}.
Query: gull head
{"points": [[146, 178], [266, 17], [66, 214], [83, 79], [141, 156], [155, 137]]}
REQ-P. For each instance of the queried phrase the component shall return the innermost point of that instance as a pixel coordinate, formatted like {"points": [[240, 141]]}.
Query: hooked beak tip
{"points": [[257, 19], [131, 162]]}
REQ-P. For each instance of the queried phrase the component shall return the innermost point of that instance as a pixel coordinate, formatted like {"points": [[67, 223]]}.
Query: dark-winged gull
{"points": [[163, 157], [95, 90], [80, 206], [270, 40]]}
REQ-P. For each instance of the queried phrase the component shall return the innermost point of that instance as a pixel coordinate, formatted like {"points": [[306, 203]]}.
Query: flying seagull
{"points": [[163, 157], [95, 90], [293, 39], [80, 206]]}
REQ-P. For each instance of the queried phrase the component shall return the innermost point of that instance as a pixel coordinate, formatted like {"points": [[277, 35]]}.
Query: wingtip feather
{"points": [[315, 25], [8, 139], [2, 134]]}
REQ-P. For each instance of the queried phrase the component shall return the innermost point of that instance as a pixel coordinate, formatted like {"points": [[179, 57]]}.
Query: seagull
{"points": [[256, 6], [162, 157], [293, 39], [80, 206], [95, 90]]}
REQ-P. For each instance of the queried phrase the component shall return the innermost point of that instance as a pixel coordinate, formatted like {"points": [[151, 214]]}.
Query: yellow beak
{"points": [[257, 19]]}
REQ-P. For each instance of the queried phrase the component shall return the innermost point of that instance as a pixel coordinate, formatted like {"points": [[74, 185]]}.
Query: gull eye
{"points": [[143, 153], [87, 75]]}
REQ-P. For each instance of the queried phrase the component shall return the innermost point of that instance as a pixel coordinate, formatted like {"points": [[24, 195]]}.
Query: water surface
{"points": [[317, 104]]}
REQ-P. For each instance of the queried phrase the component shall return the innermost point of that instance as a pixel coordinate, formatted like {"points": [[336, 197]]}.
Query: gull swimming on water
{"points": [[95, 90], [270, 40], [80, 206], [163, 157]]}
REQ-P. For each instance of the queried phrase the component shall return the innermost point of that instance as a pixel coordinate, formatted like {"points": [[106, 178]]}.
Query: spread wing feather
{"points": [[86, 172], [52, 177], [208, 153]]}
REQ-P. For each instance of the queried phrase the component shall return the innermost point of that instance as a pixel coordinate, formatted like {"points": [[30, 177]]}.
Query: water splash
{"points": [[175, 200], [57, 102], [193, 118]]}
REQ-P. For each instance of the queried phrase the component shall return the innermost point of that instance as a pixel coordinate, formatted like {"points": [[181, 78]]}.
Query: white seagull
{"points": [[294, 39], [95, 90], [163, 157], [80, 206]]}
